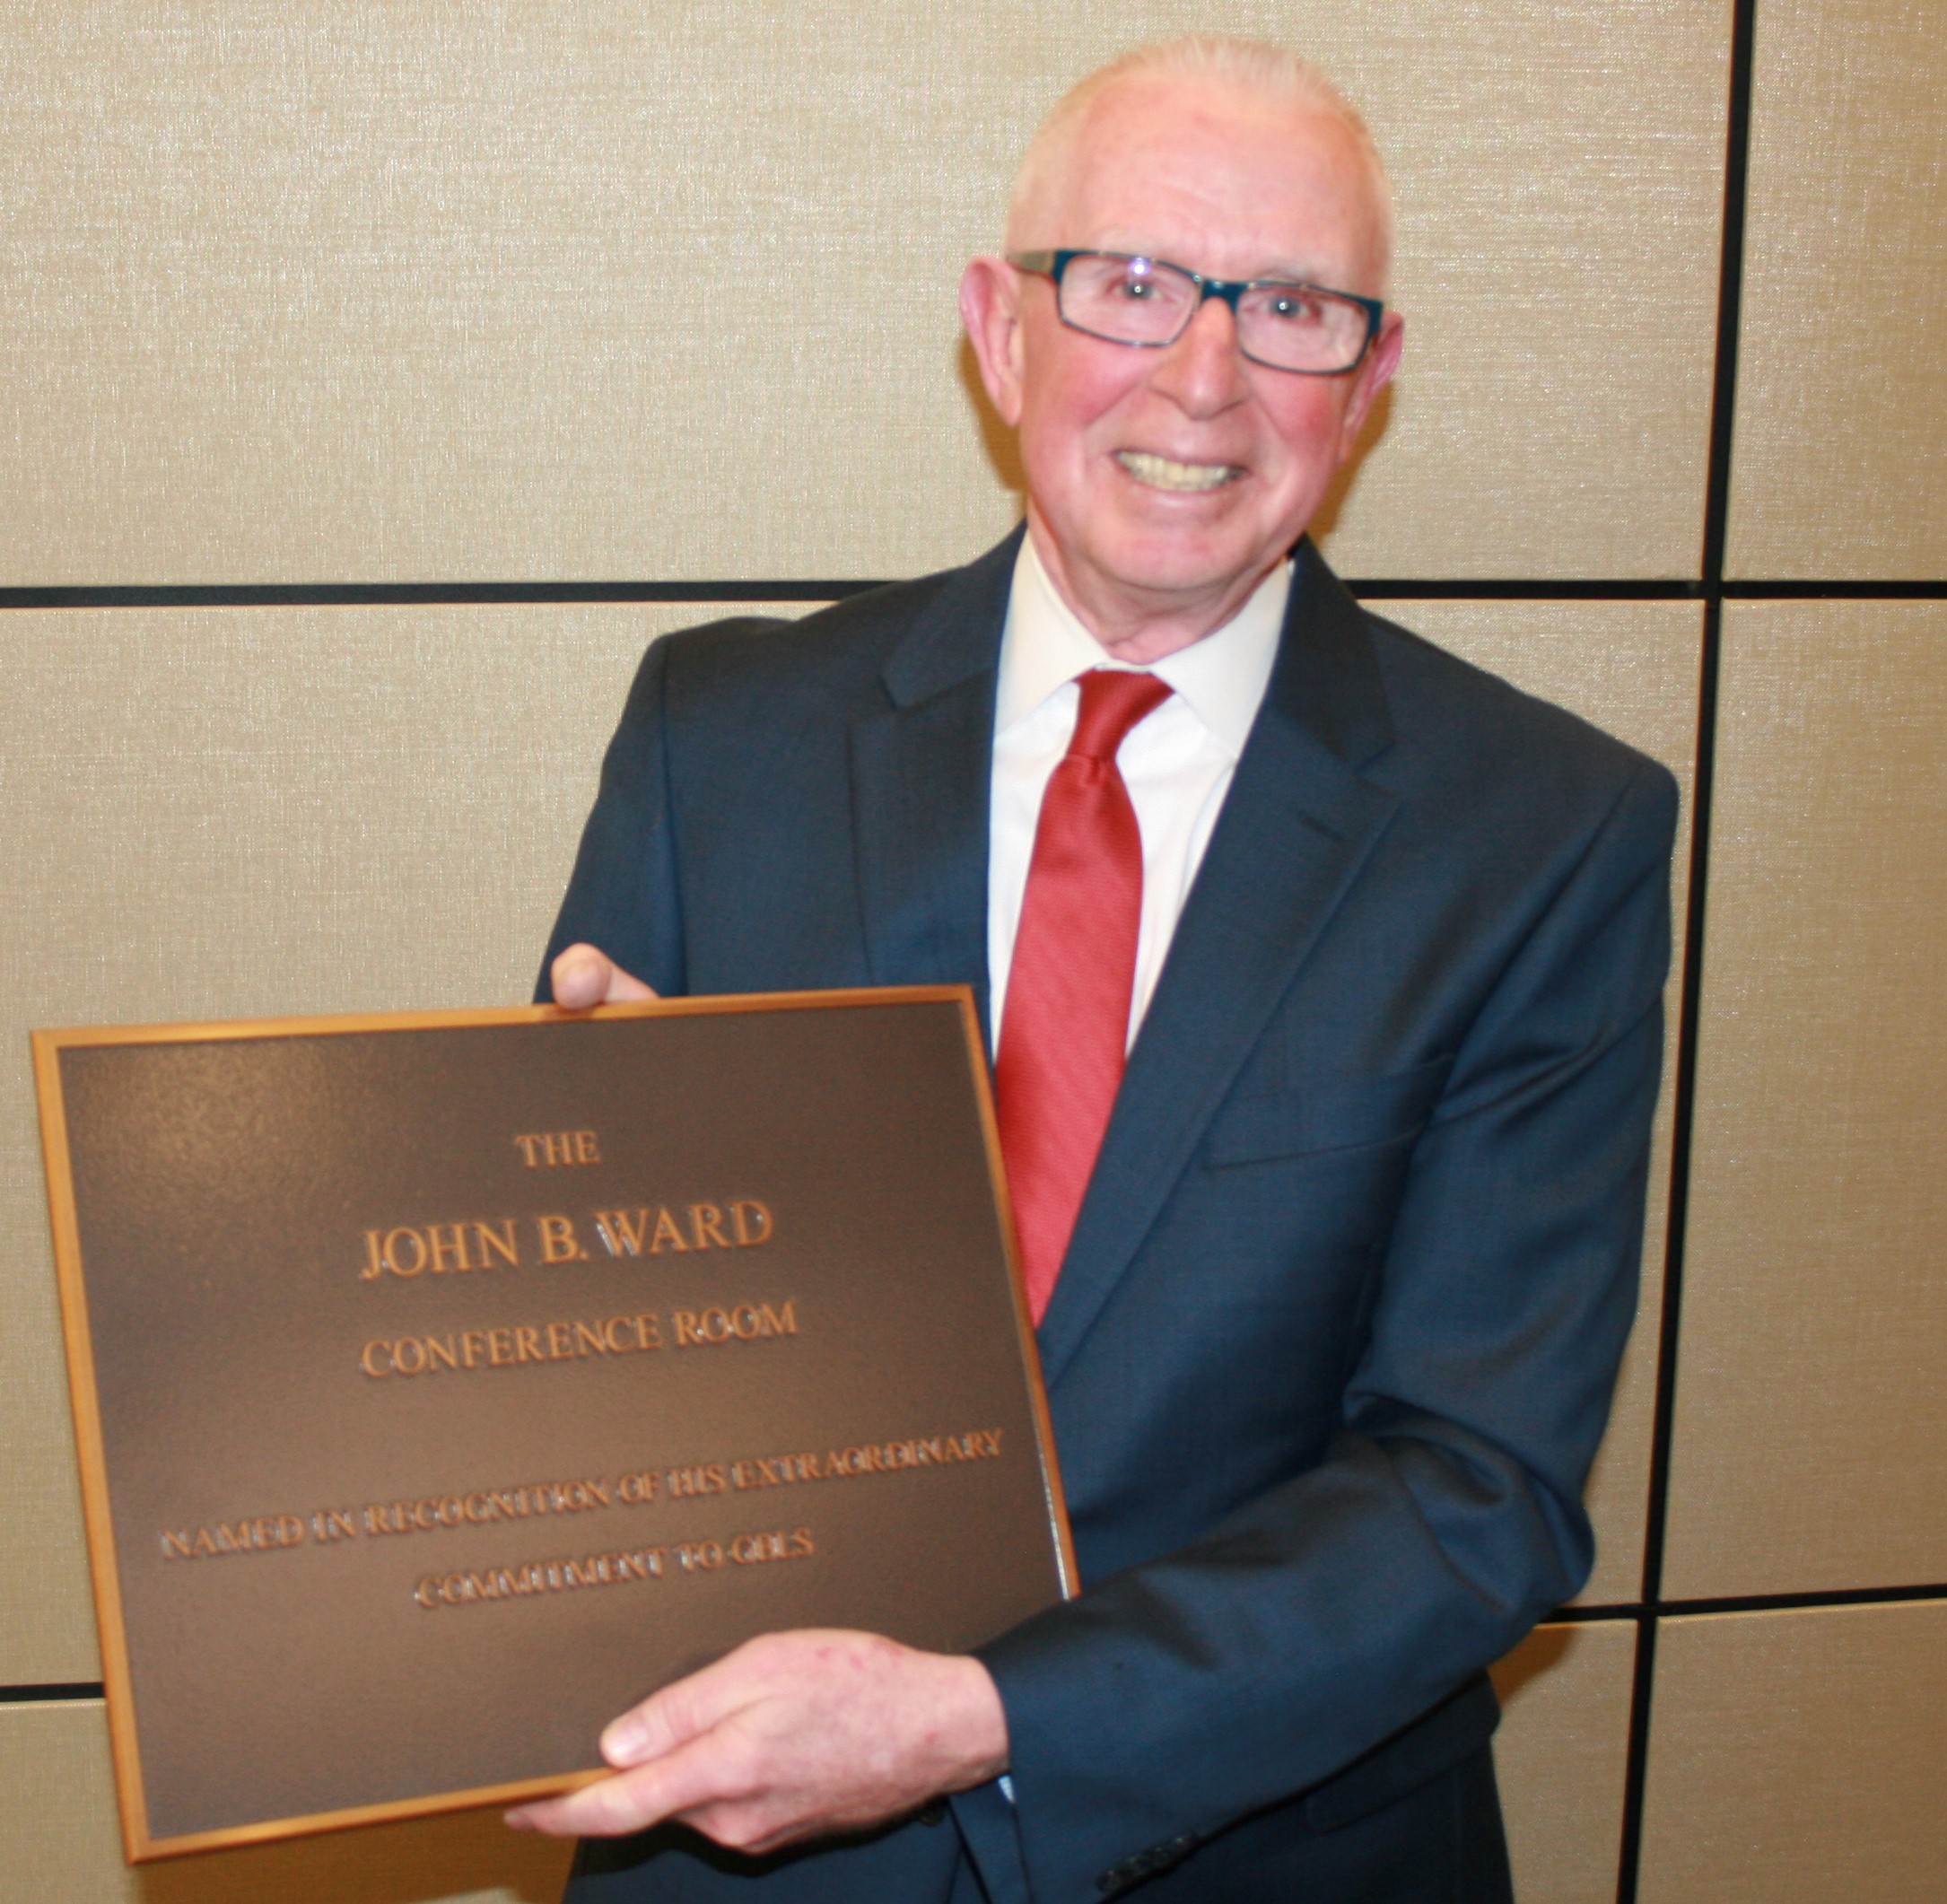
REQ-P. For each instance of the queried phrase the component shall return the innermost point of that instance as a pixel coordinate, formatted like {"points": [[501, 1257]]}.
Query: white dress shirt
{"points": [[1177, 763]]}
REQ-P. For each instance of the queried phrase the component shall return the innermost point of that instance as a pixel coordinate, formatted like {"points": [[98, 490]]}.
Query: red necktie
{"points": [[1064, 1025]]}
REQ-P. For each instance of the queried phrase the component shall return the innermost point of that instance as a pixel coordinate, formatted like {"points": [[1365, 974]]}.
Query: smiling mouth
{"points": [[1159, 472]]}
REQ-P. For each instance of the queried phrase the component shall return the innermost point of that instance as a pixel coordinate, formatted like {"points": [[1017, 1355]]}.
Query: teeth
{"points": [[1160, 473]]}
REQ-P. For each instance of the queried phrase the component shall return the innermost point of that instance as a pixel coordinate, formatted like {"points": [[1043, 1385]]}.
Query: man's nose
{"points": [[1203, 371]]}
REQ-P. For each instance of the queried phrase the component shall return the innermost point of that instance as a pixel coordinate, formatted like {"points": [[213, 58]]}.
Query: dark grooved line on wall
{"points": [[1717, 519], [1730, 296], [421, 594], [1838, 1600], [1683, 1107], [562, 594], [1832, 590]]}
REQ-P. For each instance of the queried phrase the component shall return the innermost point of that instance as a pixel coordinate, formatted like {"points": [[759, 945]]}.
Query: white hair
{"points": [[1247, 65]]}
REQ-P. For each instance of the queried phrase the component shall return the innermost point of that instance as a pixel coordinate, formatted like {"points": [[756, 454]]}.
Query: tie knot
{"points": [[1113, 702]]}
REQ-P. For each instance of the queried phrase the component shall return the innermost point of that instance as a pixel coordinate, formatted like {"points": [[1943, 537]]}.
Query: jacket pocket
{"points": [[1333, 1116]]}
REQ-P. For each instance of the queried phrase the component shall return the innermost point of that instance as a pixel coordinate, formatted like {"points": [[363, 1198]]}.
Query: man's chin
{"points": [[1171, 568]]}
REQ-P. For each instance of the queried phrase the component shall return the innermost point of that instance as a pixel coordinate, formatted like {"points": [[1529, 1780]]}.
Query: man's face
{"points": [[1167, 479]]}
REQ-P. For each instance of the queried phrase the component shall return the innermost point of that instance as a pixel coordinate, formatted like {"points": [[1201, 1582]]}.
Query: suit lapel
{"points": [[1296, 825], [920, 774]]}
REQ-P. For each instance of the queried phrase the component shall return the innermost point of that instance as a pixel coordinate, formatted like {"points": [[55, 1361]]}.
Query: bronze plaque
{"points": [[446, 1383]]}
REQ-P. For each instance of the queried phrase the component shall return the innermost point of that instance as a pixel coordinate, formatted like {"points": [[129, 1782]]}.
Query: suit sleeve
{"points": [[1170, 1700], [624, 895]]}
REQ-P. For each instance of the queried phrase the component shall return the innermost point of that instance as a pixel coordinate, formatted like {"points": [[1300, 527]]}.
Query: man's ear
{"points": [[1371, 377], [990, 301]]}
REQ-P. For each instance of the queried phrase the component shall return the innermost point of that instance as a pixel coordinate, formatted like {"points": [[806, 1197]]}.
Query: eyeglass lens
{"points": [[1142, 301]]}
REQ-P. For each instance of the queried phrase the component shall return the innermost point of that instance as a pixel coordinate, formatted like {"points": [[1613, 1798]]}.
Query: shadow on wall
{"points": [[468, 1855], [1004, 455], [1543, 1650], [1377, 418]]}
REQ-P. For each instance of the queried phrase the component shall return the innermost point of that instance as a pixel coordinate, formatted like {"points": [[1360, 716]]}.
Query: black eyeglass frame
{"points": [[1051, 264]]}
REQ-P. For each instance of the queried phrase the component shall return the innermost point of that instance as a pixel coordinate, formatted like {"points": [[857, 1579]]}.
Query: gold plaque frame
{"points": [[142, 1839]]}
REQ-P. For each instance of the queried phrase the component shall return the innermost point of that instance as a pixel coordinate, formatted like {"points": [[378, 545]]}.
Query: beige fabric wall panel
{"points": [[1810, 1428], [1633, 668], [1839, 468], [238, 813], [1798, 1758], [1562, 1755], [62, 1845], [368, 291]]}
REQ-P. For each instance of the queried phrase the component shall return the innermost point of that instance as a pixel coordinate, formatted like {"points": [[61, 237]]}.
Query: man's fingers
{"points": [[670, 1755], [690, 1707], [634, 1800], [793, 1735], [662, 1721], [585, 975]]}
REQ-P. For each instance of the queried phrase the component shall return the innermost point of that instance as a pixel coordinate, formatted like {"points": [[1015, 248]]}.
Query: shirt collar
{"points": [[1222, 677]]}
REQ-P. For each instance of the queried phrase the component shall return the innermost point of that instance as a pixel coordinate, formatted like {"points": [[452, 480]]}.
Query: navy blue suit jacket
{"points": [[1334, 1341]]}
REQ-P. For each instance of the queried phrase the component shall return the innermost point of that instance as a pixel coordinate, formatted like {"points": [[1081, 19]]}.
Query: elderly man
{"points": [[1323, 977]]}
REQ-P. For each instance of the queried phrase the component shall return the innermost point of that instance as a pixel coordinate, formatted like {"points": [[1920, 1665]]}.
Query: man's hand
{"points": [[791, 1736], [585, 975]]}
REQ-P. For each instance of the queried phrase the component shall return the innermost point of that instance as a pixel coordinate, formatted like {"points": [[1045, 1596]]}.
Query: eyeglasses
{"points": [[1147, 303]]}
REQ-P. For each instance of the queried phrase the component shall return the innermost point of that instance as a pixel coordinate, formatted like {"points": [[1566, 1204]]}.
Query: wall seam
{"points": [[1717, 519], [496, 594]]}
